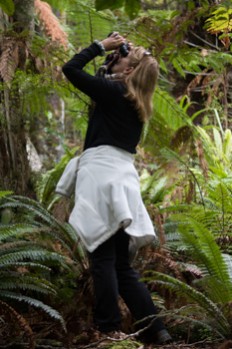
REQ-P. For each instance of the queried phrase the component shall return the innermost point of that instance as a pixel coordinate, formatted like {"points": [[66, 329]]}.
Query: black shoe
{"points": [[163, 337]]}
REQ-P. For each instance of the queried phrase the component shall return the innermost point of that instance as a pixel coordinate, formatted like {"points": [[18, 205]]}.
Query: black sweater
{"points": [[114, 120]]}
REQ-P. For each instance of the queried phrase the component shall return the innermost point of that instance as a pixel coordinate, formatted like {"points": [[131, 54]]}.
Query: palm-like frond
{"points": [[215, 317], [25, 260], [12, 257], [44, 225], [217, 150], [208, 256], [168, 117], [19, 281], [5, 193], [34, 303], [41, 218]]}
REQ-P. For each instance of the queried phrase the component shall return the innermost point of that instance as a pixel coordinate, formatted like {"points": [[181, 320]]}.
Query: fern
{"points": [[197, 227], [46, 185], [219, 22], [34, 303], [12, 256], [26, 283], [30, 205], [5, 193], [215, 317], [25, 252], [23, 324], [17, 230], [50, 23], [41, 222], [27, 265], [167, 119]]}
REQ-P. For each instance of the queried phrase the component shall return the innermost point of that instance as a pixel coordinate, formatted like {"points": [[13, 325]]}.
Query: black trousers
{"points": [[113, 276]]}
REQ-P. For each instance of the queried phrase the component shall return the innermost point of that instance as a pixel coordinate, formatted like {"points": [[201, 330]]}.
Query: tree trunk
{"points": [[14, 165]]}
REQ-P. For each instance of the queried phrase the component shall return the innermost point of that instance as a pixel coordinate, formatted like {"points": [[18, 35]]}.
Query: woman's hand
{"points": [[113, 41]]}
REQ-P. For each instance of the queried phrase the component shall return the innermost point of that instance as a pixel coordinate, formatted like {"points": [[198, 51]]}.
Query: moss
{"points": [[126, 344]]}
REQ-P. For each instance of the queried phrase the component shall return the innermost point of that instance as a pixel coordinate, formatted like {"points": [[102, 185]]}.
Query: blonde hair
{"points": [[141, 81]]}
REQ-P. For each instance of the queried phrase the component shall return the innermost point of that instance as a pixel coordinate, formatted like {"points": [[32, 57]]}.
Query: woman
{"points": [[109, 215]]}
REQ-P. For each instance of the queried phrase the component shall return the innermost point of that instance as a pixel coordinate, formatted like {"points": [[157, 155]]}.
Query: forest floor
{"points": [[36, 330], [91, 340], [133, 344], [48, 335]]}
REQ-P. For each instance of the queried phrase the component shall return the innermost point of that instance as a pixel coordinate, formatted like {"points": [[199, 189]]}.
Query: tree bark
{"points": [[14, 165]]}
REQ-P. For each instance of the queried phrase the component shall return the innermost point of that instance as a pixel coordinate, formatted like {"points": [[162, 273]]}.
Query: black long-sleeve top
{"points": [[114, 120]]}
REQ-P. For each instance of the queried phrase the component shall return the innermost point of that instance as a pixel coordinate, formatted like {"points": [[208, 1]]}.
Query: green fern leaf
{"points": [[183, 289], [34, 303]]}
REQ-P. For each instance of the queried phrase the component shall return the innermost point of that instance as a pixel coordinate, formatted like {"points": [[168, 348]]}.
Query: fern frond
{"points": [[9, 58], [34, 303], [208, 255], [27, 265], [219, 20], [91, 24], [14, 281], [194, 314], [46, 185], [35, 254], [17, 230], [5, 193], [24, 325], [181, 288], [50, 23], [40, 212]]}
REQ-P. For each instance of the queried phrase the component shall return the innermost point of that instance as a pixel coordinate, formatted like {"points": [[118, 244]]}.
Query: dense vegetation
{"points": [[184, 162]]}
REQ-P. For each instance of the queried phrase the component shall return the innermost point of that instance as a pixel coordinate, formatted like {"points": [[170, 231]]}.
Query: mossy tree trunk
{"points": [[14, 165]]}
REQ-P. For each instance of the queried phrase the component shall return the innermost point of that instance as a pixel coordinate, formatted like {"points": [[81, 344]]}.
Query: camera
{"points": [[112, 58], [124, 49]]}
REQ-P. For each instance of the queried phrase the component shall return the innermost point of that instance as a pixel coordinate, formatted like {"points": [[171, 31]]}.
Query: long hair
{"points": [[141, 81]]}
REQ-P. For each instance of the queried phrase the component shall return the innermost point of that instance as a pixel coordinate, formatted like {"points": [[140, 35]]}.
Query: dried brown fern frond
{"points": [[9, 59], [50, 22], [12, 316]]}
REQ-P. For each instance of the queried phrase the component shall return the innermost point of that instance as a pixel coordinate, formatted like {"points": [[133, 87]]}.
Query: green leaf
{"points": [[7, 6], [132, 8], [109, 4]]}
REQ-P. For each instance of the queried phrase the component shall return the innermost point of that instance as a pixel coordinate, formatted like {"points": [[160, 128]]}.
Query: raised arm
{"points": [[92, 86]]}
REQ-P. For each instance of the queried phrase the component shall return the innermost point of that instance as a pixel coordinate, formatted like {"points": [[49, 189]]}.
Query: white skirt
{"points": [[107, 197]]}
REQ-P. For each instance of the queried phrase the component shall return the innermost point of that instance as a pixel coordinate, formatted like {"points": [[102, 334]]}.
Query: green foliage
{"points": [[217, 150], [153, 187], [219, 20], [7, 6], [102, 5], [187, 61], [196, 228], [46, 185], [28, 255], [90, 24], [44, 227], [124, 344], [4, 194], [20, 261], [168, 117], [132, 7], [211, 313], [201, 230]]}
